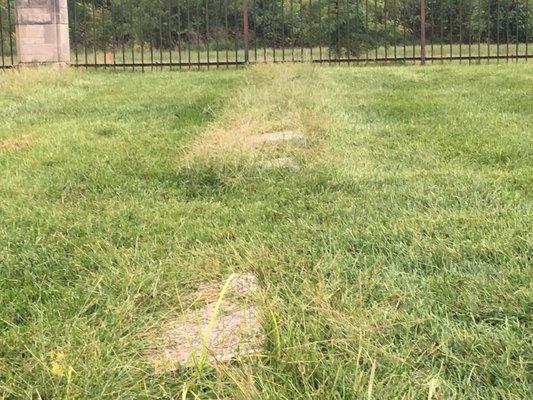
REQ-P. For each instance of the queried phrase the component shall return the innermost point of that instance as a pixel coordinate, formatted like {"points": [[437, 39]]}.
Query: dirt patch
{"points": [[16, 143], [226, 326]]}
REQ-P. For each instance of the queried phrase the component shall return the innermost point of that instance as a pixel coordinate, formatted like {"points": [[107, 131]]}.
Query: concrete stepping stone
{"points": [[226, 326]]}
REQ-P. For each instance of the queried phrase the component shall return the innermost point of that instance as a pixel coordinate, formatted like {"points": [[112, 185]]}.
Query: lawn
{"points": [[394, 263]]}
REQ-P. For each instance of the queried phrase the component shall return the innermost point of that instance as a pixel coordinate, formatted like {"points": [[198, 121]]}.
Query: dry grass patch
{"points": [[275, 99], [16, 143]]}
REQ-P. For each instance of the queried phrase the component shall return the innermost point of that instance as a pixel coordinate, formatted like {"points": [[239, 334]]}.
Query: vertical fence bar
{"points": [[337, 49], [470, 31], [152, 51], [404, 44], [508, 11], [460, 31], [245, 31], [2, 39], [311, 41], [254, 18], [9, 33], [395, 28], [75, 10], [85, 37], [385, 33], [450, 28], [356, 26], [104, 47], [320, 30], [423, 32], [527, 29], [93, 21], [141, 33], [207, 31], [479, 32], [376, 28], [226, 31], [179, 33], [189, 36], [348, 32], [122, 20], [517, 8], [366, 29], [301, 34], [197, 34], [217, 16], [497, 31], [263, 30], [488, 31], [432, 33], [291, 11], [415, 43], [282, 30], [235, 13], [273, 30], [328, 24], [169, 29], [113, 38], [132, 34]]}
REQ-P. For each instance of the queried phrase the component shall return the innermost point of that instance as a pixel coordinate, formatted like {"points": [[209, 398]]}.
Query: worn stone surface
{"points": [[276, 137], [42, 31], [219, 330]]}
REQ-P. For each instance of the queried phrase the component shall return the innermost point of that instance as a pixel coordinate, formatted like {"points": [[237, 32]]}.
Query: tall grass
{"points": [[395, 263]]}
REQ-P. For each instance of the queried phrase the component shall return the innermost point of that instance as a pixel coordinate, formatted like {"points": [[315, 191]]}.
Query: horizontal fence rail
{"points": [[131, 34]]}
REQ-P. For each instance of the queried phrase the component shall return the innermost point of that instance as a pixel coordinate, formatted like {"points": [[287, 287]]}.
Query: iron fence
{"points": [[8, 57], [131, 34]]}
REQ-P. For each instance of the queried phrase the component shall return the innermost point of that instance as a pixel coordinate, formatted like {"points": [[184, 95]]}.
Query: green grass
{"points": [[396, 262]]}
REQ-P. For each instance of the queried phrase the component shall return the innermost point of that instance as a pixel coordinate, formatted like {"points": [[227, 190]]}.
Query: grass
{"points": [[395, 263]]}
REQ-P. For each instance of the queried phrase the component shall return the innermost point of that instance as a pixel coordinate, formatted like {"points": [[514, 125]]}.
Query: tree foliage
{"points": [[346, 26]]}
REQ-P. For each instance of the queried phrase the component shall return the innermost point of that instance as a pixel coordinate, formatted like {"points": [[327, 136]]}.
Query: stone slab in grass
{"points": [[276, 138], [222, 324]]}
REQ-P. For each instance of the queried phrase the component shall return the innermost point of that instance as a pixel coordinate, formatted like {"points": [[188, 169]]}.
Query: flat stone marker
{"points": [[276, 137], [227, 326]]}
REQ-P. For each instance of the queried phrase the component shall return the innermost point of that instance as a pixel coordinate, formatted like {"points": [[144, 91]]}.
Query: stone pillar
{"points": [[42, 32]]}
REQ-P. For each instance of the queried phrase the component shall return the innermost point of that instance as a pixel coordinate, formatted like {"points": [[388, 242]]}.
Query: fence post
{"points": [[245, 31], [422, 32], [42, 32]]}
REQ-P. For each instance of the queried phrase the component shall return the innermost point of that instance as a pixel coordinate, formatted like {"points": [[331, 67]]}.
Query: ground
{"points": [[395, 262]]}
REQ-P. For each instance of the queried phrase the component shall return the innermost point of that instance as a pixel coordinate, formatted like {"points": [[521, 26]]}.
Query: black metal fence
{"points": [[7, 34], [132, 34]]}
